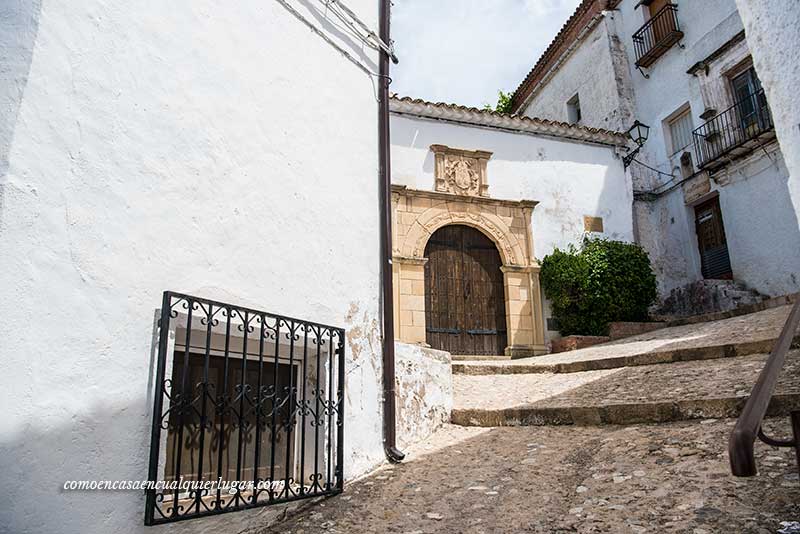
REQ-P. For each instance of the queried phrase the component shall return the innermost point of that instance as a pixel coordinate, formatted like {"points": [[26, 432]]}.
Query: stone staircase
{"points": [[695, 371], [597, 466]]}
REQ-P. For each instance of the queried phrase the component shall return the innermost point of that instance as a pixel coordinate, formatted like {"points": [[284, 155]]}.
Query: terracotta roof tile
{"points": [[482, 117]]}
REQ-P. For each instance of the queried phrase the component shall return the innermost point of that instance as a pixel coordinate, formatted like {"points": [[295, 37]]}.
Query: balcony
{"points": [[734, 133], [658, 35]]}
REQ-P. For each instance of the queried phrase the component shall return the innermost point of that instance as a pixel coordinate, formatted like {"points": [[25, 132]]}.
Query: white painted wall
{"points": [[222, 150], [757, 238], [591, 75], [568, 179], [773, 37], [424, 385]]}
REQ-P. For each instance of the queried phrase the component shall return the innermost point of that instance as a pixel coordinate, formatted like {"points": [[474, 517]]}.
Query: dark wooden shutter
{"points": [[665, 24]]}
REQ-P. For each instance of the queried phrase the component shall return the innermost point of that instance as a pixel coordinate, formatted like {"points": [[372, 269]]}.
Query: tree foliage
{"points": [[503, 103], [602, 282]]}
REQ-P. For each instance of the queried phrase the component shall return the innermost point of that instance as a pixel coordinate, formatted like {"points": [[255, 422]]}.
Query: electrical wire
{"points": [[653, 168], [372, 74], [357, 28]]}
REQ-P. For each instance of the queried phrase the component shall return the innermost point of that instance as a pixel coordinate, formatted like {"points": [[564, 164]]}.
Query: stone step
{"points": [[624, 396], [737, 336], [478, 358]]}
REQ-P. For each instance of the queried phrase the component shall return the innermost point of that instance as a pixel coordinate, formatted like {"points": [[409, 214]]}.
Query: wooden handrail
{"points": [[748, 426]]}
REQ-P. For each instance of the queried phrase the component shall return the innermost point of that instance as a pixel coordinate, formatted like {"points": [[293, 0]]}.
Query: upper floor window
{"points": [[574, 109], [747, 93], [680, 131]]}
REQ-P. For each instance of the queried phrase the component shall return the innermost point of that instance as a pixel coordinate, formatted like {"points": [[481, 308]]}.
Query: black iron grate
{"points": [[248, 410]]}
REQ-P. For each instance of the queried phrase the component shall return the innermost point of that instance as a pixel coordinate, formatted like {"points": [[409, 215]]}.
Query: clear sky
{"points": [[463, 51]]}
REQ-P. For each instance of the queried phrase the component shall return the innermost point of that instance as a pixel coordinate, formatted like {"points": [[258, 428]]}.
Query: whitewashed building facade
{"points": [[174, 147], [170, 175], [527, 185], [710, 183]]}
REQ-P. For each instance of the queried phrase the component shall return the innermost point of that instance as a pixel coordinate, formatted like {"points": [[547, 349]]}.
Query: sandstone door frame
{"points": [[417, 214]]}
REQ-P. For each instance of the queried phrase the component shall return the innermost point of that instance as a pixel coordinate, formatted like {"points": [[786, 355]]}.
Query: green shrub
{"points": [[601, 282]]}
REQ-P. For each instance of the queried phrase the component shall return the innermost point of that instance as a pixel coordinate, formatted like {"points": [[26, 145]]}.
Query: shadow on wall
{"points": [[19, 26], [105, 441], [764, 243], [324, 21]]}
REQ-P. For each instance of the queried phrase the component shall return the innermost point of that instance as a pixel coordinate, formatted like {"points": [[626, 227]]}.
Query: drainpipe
{"points": [[384, 155]]}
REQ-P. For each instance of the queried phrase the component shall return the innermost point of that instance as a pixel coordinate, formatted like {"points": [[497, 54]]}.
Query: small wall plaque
{"points": [[593, 224]]}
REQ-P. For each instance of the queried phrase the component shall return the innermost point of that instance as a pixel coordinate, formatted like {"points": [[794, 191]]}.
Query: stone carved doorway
{"points": [[465, 310], [418, 215]]}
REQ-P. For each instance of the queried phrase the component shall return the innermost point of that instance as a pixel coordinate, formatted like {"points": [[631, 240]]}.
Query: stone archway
{"points": [[418, 214], [465, 311]]}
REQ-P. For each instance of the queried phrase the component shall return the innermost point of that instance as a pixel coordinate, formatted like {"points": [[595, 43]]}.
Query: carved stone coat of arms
{"points": [[461, 172]]}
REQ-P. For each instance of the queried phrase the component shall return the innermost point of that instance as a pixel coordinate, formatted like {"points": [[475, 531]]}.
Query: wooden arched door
{"points": [[464, 294]]}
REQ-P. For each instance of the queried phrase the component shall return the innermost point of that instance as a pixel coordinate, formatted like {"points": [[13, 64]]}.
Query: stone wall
{"points": [[424, 382]]}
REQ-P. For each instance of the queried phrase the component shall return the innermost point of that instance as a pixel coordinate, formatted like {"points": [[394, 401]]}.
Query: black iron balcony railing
{"points": [[657, 36], [248, 410], [734, 132]]}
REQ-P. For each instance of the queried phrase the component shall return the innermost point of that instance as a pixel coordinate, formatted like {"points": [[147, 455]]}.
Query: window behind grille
{"points": [[222, 436]]}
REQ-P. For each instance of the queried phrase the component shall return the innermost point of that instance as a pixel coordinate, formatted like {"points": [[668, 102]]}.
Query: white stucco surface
{"points": [[568, 179], [589, 76], [424, 385], [222, 150], [754, 235], [757, 238], [774, 39]]}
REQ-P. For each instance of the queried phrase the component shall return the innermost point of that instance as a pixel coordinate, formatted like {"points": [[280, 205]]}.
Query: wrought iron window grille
{"points": [[244, 397]]}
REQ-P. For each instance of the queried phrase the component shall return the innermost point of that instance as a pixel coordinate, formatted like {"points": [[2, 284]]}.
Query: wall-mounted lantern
{"points": [[638, 133]]}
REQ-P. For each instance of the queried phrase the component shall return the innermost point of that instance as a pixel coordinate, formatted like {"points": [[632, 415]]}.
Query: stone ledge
{"points": [[450, 197], [646, 394], [621, 414], [768, 304], [711, 352]]}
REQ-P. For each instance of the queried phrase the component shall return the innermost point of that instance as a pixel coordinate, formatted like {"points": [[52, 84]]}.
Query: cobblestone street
{"points": [[649, 478]]}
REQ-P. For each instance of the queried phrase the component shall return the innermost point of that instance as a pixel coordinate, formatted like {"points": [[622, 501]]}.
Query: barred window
{"points": [[245, 397]]}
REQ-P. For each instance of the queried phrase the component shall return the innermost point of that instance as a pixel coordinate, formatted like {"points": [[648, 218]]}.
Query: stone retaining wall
{"points": [[424, 385], [621, 329], [569, 343]]}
